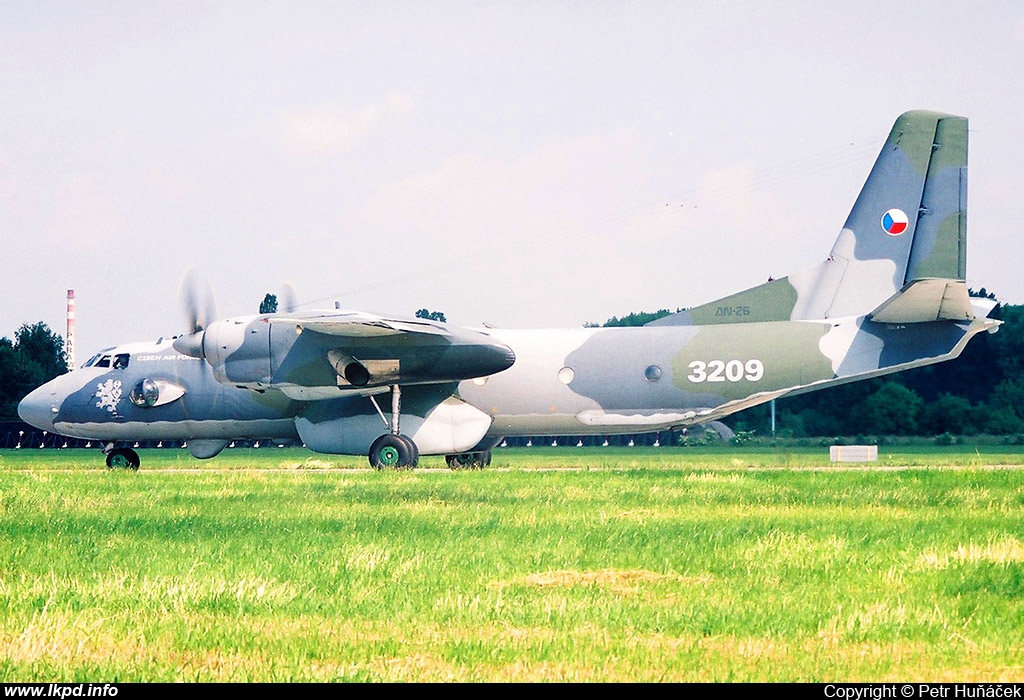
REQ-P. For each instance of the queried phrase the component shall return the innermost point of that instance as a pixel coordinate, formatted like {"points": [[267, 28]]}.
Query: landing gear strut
{"points": [[393, 450]]}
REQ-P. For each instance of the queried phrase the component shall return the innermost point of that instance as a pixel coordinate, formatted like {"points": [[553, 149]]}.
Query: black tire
{"points": [[468, 460], [414, 451], [389, 452], [123, 458]]}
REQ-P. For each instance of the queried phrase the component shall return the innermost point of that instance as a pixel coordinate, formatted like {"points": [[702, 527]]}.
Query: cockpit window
{"points": [[116, 361]]}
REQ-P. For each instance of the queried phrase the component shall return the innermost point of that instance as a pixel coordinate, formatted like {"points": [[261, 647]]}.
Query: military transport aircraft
{"points": [[892, 295]]}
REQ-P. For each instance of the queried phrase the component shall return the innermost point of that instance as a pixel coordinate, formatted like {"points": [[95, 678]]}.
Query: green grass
{"points": [[711, 457], [690, 564]]}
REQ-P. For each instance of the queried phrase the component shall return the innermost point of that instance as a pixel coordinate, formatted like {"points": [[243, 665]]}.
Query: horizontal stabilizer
{"points": [[927, 300]]}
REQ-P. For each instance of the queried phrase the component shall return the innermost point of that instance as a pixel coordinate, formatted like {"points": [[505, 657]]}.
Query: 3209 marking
{"points": [[725, 370]]}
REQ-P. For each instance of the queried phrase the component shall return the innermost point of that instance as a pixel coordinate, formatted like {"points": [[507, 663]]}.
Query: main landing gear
{"points": [[469, 460], [393, 450]]}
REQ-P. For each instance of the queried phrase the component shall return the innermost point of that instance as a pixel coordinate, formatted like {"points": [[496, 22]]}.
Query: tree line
{"points": [[32, 358]]}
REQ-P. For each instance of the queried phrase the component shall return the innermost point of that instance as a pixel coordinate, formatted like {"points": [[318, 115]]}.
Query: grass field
{"points": [[695, 564]]}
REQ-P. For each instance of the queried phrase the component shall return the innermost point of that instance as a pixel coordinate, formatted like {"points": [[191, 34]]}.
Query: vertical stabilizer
{"points": [[908, 224]]}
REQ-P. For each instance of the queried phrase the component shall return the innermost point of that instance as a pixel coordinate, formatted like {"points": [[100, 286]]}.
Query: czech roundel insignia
{"points": [[895, 222]]}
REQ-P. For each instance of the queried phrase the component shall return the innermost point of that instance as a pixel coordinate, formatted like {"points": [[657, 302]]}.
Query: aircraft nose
{"points": [[39, 408]]}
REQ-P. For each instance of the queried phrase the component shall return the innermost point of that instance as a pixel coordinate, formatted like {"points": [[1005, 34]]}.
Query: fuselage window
{"points": [[103, 361], [91, 361], [121, 361]]}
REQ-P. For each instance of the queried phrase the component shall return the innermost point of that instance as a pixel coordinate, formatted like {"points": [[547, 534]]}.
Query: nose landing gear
{"points": [[122, 458]]}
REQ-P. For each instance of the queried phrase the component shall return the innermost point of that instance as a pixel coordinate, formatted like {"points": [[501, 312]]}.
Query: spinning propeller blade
{"points": [[200, 311], [197, 300]]}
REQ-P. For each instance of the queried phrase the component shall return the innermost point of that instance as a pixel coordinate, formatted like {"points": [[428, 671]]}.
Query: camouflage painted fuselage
{"points": [[95, 402], [620, 380], [890, 296], [563, 382]]}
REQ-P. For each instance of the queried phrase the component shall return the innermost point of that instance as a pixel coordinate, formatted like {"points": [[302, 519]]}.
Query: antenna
{"points": [[69, 337]]}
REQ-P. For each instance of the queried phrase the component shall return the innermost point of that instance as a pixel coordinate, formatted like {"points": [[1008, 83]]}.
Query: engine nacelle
{"points": [[238, 350], [266, 351]]}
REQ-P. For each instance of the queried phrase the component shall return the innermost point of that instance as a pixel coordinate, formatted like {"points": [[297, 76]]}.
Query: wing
{"points": [[355, 324], [322, 355]]}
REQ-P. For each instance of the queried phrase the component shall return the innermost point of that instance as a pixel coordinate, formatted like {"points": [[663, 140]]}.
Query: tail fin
{"points": [[908, 224]]}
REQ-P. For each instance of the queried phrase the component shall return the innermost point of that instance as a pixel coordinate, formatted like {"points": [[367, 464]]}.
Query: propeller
{"points": [[286, 303], [197, 300]]}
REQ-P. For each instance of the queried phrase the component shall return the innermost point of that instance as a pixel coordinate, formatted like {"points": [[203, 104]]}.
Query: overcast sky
{"points": [[524, 164]]}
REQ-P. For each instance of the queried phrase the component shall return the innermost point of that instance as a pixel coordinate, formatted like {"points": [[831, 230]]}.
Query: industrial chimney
{"points": [[69, 337]]}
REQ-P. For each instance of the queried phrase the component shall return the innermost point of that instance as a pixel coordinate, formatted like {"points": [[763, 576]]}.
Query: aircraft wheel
{"points": [[468, 460], [458, 461], [123, 458], [390, 452], [414, 450]]}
